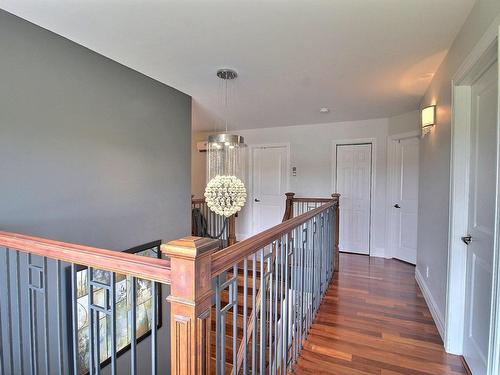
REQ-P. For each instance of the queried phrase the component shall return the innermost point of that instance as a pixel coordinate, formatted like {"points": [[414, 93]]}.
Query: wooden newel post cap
{"points": [[191, 267], [335, 196], [289, 195]]}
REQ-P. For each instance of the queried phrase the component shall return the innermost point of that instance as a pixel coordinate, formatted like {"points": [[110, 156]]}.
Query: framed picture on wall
{"points": [[123, 307]]}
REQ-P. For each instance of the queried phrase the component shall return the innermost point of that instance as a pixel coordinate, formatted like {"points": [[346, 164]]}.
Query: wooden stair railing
{"points": [[214, 223], [297, 206], [268, 289], [39, 267]]}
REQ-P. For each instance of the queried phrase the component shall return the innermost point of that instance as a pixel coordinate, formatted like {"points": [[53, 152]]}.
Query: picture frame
{"points": [[123, 310]]}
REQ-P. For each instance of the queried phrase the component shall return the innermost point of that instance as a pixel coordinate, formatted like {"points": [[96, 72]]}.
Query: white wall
{"points": [[311, 153], [434, 180], [404, 123]]}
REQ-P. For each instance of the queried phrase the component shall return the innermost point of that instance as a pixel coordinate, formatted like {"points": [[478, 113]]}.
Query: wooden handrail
{"points": [[231, 255], [312, 200], [122, 263]]}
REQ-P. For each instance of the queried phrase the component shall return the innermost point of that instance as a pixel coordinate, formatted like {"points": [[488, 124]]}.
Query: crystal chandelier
{"points": [[225, 193]]}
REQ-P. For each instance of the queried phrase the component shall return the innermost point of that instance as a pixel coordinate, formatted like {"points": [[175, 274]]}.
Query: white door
{"points": [[353, 177], [404, 210], [269, 179], [481, 219]]}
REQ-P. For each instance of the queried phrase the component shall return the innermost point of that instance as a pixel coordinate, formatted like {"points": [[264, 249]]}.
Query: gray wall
{"points": [[434, 180], [91, 152]]}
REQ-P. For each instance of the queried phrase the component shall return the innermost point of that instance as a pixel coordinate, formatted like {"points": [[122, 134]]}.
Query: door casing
{"points": [[482, 55]]}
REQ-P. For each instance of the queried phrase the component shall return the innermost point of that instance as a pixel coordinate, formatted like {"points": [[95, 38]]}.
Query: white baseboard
{"points": [[378, 252], [431, 303]]}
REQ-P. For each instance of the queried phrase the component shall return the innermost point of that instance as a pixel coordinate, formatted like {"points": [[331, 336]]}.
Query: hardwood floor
{"points": [[374, 320]]}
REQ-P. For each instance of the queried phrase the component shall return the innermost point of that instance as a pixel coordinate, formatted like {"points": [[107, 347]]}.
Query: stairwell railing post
{"points": [[190, 304]]}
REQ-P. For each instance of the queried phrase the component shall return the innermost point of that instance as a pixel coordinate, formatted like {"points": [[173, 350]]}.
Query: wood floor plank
{"points": [[374, 320]]}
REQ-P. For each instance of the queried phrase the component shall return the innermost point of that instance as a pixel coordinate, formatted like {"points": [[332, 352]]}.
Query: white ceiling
{"points": [[361, 58]]}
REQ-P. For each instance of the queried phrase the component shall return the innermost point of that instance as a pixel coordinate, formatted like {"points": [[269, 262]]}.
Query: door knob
{"points": [[256, 200], [397, 206], [467, 239]]}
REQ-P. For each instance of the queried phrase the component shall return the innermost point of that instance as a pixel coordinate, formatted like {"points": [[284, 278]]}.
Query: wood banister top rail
{"points": [[122, 263], [312, 200], [227, 257]]}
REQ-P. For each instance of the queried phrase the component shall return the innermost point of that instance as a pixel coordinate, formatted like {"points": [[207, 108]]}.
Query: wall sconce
{"points": [[428, 118]]}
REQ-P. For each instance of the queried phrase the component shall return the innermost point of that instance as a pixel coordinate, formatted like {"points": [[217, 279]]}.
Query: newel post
{"points": [[336, 231], [231, 230], [288, 207], [190, 304]]}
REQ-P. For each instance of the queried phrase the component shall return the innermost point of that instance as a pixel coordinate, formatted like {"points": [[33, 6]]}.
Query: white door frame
{"points": [[391, 185], [250, 173], [483, 54], [333, 169]]}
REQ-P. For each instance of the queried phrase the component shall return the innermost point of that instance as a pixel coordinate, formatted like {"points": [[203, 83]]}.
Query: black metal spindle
{"points": [[74, 319], [113, 321], [9, 307], [262, 345], [154, 324], [245, 315], [133, 329], [254, 314], [45, 290]]}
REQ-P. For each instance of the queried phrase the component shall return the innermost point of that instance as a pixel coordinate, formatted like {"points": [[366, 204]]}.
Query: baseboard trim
{"points": [[378, 252], [431, 303]]}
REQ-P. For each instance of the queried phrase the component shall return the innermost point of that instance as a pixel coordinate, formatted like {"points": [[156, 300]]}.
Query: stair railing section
{"points": [[268, 289], [295, 206], [41, 285], [206, 223]]}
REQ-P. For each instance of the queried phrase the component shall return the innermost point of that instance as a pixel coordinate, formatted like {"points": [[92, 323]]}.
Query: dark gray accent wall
{"points": [[91, 151]]}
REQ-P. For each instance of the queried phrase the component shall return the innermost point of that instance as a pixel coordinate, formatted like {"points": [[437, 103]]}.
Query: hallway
{"points": [[374, 320]]}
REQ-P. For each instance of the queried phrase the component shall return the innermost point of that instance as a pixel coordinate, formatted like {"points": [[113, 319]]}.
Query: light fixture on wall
{"points": [[225, 192], [428, 115]]}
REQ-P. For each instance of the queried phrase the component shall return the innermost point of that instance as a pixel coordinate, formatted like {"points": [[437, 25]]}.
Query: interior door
{"points": [[405, 200], [481, 219], [353, 177], [269, 179]]}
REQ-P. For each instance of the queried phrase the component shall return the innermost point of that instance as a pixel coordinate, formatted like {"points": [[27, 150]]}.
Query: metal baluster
{"points": [[9, 308], [32, 323], [60, 339], [262, 347], [245, 314], [97, 336], [285, 318], [254, 314], [293, 312], [271, 297], [234, 287], [217, 325], [19, 304], [74, 319], [2, 366], [113, 322], [133, 328], [46, 315], [154, 324], [277, 268], [277, 297], [90, 289]]}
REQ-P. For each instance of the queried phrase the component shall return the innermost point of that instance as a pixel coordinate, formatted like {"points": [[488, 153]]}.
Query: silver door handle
{"points": [[467, 239]]}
